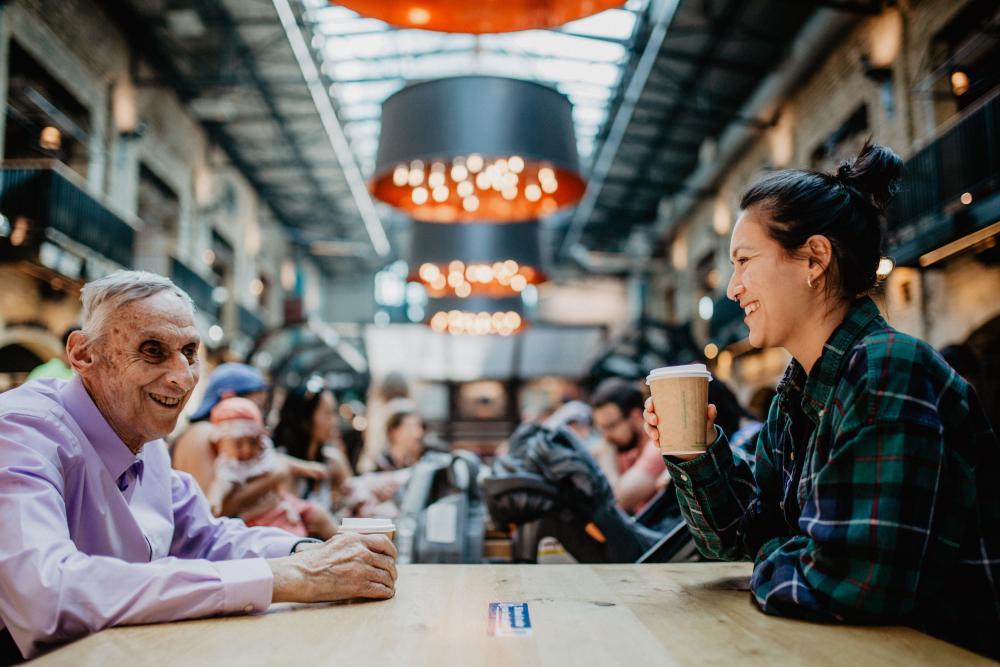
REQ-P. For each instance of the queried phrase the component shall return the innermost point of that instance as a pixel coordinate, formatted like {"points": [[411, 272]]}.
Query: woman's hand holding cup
{"points": [[650, 422]]}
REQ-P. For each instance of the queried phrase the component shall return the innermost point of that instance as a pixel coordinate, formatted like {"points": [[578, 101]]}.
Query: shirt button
{"points": [[248, 608], [782, 505], [792, 455], [684, 478]]}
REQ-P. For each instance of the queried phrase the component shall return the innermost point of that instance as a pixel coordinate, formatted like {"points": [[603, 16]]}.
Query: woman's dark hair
{"points": [[294, 430], [848, 208], [396, 420]]}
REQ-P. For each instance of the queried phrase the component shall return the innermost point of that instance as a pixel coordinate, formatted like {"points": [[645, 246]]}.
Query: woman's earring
{"points": [[809, 282]]}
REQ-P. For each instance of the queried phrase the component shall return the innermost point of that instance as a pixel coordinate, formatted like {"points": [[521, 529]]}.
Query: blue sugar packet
{"points": [[509, 619]]}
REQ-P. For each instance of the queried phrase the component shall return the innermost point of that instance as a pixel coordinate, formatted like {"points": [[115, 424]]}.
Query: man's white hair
{"points": [[102, 297]]}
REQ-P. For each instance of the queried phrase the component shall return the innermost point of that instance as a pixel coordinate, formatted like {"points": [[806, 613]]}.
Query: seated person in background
{"points": [[577, 417], [193, 452], [96, 528], [617, 414], [307, 429], [56, 367], [404, 431], [246, 454]]}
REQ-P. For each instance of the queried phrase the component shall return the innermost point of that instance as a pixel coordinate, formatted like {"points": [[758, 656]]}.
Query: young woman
{"points": [[875, 495], [404, 432], [308, 429]]}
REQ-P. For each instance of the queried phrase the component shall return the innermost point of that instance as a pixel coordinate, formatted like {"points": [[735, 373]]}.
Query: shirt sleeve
{"points": [[200, 534], [721, 501], [51, 592]]}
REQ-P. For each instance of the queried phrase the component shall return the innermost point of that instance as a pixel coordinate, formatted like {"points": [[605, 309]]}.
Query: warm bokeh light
{"points": [[482, 323], [497, 279], [478, 16], [959, 83], [475, 187], [885, 267]]}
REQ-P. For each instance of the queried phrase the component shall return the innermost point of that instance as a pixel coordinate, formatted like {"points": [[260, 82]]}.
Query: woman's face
{"points": [[324, 420], [770, 286], [410, 434]]}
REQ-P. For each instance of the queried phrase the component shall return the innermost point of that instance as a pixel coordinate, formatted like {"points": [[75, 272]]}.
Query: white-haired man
{"points": [[97, 530]]}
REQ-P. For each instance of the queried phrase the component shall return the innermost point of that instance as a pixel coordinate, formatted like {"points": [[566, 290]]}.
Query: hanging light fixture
{"points": [[478, 16], [480, 316], [497, 260], [475, 148]]}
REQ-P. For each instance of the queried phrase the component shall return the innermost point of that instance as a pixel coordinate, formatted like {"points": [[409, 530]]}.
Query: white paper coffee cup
{"points": [[680, 396]]}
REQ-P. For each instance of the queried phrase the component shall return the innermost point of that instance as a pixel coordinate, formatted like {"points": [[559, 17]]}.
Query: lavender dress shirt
{"points": [[93, 536]]}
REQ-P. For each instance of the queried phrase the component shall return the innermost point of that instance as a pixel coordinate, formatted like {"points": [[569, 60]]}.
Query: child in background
{"points": [[245, 453]]}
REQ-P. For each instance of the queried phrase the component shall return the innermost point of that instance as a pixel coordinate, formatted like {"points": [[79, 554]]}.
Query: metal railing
{"points": [[249, 324], [49, 196], [199, 289], [963, 158]]}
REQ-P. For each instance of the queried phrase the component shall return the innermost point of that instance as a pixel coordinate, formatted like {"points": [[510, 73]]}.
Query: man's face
{"points": [[142, 372], [618, 429]]}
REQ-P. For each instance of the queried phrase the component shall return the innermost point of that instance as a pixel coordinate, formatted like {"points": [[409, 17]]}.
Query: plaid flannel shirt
{"points": [[876, 492]]}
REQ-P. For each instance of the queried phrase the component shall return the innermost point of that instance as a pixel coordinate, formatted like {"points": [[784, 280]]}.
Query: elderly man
{"points": [[97, 530]]}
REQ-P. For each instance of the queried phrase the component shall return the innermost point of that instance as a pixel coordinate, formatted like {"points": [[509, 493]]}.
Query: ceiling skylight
{"points": [[368, 60]]}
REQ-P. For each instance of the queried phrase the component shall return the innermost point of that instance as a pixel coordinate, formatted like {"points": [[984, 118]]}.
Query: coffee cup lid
{"points": [[355, 525], [689, 370]]}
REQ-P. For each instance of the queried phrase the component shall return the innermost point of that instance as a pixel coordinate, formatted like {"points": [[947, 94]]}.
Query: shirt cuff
{"points": [[281, 543], [248, 584], [703, 468]]}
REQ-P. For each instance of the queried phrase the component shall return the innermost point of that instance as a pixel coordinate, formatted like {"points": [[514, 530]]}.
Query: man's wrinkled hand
{"points": [[346, 566]]}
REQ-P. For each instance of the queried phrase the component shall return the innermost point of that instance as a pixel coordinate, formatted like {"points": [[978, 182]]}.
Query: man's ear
{"points": [[79, 353]]}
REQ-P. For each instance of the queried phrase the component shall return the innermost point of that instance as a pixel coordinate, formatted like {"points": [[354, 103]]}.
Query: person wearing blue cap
{"points": [[193, 451]]}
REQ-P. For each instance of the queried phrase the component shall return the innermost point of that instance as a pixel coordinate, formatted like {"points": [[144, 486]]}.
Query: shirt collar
{"points": [[114, 453], [816, 388]]}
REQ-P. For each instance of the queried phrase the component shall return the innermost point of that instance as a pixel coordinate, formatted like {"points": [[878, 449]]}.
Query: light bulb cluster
{"points": [[475, 187], [498, 278], [479, 324]]}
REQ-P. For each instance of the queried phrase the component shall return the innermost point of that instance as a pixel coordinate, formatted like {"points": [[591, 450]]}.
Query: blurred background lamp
{"points": [[477, 147], [478, 16]]}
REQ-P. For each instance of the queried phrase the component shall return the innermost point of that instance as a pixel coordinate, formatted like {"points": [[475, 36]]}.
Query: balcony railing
{"points": [[250, 325], [964, 158], [48, 196], [199, 289]]}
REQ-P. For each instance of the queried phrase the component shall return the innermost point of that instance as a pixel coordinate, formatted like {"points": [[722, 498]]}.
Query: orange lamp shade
{"points": [[478, 16], [446, 190], [479, 259], [477, 147]]}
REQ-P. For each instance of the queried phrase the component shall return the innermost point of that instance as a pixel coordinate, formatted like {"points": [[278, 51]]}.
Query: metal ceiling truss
{"points": [[711, 58], [275, 145]]}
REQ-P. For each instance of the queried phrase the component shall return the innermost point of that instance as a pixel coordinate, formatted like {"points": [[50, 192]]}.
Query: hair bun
{"points": [[875, 171]]}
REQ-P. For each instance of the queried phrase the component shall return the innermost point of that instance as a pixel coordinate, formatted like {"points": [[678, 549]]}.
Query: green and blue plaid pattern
{"points": [[875, 496]]}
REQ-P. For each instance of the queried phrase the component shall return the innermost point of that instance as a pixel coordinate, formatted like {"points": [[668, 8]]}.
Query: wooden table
{"points": [[674, 614]]}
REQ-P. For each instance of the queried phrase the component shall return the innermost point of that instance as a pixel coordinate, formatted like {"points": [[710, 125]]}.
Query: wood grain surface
{"points": [[674, 614]]}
